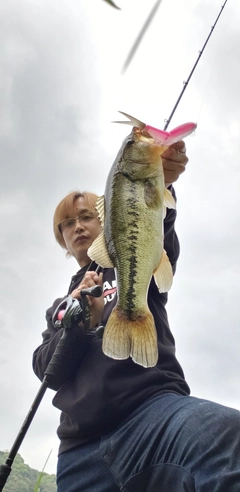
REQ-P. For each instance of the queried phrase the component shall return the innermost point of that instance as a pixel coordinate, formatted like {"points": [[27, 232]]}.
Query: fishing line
{"points": [[185, 83], [213, 64]]}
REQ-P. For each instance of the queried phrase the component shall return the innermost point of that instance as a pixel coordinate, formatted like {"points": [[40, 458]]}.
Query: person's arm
{"points": [[77, 339], [171, 243], [77, 343], [174, 161]]}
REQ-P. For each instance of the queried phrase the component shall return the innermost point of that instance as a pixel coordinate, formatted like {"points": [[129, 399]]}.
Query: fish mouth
{"points": [[145, 137], [142, 135], [141, 149]]}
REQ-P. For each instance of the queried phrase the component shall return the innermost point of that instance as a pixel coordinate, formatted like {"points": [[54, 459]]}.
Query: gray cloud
{"points": [[60, 87]]}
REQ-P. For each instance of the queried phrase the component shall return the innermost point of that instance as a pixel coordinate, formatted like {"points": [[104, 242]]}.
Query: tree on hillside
{"points": [[23, 478]]}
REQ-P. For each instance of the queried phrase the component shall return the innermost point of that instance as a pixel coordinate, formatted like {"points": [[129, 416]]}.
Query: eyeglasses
{"points": [[84, 217]]}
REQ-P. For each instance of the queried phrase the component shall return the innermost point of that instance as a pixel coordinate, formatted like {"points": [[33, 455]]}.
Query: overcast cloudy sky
{"points": [[60, 88]]}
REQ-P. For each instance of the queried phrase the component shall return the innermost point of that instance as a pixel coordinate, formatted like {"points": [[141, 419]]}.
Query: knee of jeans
{"points": [[227, 419], [229, 422], [220, 424]]}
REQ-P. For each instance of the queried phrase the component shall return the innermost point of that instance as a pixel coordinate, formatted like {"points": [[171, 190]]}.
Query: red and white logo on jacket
{"points": [[109, 290]]}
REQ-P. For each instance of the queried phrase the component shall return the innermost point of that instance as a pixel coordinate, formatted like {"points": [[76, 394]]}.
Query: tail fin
{"points": [[116, 336], [138, 339], [144, 347]]}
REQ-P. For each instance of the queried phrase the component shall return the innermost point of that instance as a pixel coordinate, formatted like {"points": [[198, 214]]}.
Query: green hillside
{"points": [[23, 478]]}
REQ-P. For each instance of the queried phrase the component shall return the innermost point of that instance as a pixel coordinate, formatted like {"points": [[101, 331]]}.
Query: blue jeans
{"points": [[172, 443]]}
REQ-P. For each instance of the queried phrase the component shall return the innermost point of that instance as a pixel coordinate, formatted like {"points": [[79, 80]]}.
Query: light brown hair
{"points": [[66, 209]]}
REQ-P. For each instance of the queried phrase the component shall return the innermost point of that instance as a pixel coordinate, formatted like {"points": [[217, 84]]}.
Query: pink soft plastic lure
{"points": [[160, 136]]}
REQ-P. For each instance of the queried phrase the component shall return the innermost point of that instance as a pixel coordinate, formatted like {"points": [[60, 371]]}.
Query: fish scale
{"points": [[132, 230], [131, 213], [134, 249]]}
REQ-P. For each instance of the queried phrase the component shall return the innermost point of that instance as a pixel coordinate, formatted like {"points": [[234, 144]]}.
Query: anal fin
{"points": [[164, 274]]}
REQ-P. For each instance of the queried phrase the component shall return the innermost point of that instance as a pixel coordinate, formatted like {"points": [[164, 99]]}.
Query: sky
{"points": [[61, 86]]}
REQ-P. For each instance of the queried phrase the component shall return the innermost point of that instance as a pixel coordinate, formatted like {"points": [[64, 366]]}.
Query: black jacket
{"points": [[96, 393]]}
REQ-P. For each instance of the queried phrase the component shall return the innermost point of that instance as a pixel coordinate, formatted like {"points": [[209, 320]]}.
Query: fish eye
{"points": [[130, 142]]}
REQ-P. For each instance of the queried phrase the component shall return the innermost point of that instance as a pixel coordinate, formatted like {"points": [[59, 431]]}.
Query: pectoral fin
{"points": [[99, 253], [163, 275], [168, 199]]}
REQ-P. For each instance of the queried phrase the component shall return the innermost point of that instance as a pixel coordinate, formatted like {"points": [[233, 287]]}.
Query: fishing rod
{"points": [[139, 38], [185, 84], [69, 313]]}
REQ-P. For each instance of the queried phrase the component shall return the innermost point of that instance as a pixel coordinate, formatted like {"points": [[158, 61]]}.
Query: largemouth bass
{"points": [[131, 212]]}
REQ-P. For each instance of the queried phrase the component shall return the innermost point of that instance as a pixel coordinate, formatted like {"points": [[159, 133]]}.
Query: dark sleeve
{"points": [[171, 243], [76, 346]]}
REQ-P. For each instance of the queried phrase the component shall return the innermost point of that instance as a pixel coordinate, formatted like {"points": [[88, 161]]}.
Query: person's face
{"points": [[79, 234]]}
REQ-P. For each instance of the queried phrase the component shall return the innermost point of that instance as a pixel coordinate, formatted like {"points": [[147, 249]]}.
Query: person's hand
{"points": [[174, 162], [96, 304]]}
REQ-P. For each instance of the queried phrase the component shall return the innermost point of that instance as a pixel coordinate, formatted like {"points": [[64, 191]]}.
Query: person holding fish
{"points": [[128, 422]]}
